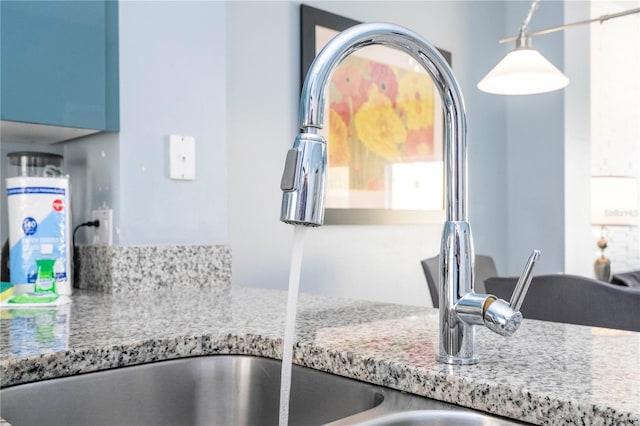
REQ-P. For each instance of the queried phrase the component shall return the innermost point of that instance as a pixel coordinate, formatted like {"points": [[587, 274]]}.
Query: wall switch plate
{"points": [[103, 234], [182, 157]]}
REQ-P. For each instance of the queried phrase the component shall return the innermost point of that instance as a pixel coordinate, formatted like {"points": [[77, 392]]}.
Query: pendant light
{"points": [[524, 71]]}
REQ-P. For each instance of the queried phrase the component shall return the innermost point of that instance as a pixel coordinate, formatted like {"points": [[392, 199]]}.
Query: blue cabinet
{"points": [[60, 63]]}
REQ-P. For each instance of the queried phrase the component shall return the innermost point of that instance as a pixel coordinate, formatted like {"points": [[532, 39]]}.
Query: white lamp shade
{"points": [[614, 200], [523, 72]]}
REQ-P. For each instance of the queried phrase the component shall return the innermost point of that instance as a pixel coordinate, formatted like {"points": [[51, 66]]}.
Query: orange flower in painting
{"points": [[365, 85], [338, 140], [376, 184], [419, 145], [352, 88], [415, 100], [347, 79], [343, 109], [378, 126], [385, 78]]}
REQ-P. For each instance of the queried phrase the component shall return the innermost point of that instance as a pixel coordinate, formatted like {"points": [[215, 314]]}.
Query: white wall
{"points": [[372, 262], [579, 247], [172, 81], [615, 117], [93, 164], [535, 155]]}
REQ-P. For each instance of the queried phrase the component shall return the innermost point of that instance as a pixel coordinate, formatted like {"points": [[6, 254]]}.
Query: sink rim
{"points": [[395, 405], [380, 416]]}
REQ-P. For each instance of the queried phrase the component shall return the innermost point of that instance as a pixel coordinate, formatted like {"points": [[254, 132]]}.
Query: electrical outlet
{"points": [[103, 234]]}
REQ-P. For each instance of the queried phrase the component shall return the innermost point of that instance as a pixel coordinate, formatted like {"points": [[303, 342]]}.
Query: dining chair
{"points": [[485, 267], [574, 299]]}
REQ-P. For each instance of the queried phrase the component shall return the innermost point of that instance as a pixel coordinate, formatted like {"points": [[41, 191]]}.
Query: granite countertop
{"points": [[545, 373]]}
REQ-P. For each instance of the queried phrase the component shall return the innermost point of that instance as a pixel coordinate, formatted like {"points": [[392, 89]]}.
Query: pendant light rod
{"points": [[600, 19], [525, 23]]}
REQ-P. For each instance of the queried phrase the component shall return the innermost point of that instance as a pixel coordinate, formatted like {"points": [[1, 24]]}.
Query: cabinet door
{"points": [[55, 57]]}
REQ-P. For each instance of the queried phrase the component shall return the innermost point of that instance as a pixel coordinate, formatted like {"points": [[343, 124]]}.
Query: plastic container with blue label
{"points": [[39, 221]]}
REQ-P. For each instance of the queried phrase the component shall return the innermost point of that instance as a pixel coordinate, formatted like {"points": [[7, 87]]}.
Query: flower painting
{"points": [[384, 130], [378, 114]]}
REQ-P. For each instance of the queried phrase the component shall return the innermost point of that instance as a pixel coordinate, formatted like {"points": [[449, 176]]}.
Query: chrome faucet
{"points": [[304, 176]]}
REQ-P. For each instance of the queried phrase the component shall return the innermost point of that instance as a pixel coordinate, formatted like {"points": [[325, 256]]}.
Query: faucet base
{"points": [[454, 360]]}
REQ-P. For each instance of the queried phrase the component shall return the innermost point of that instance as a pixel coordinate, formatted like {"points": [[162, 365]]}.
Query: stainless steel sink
{"points": [[219, 390], [432, 416]]}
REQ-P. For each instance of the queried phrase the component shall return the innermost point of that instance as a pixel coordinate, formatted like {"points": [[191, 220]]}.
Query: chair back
{"points": [[485, 267], [431, 268], [575, 300], [627, 279]]}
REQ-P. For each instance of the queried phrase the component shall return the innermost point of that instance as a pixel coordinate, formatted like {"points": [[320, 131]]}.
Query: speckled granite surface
{"points": [[116, 269], [546, 374]]}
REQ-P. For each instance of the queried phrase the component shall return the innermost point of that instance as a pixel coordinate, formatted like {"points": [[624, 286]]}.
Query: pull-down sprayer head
{"points": [[303, 181]]}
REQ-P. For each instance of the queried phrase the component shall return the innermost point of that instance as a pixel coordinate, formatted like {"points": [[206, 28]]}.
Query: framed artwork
{"points": [[385, 132]]}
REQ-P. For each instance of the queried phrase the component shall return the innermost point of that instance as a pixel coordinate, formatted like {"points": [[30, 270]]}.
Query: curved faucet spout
{"points": [[312, 98]]}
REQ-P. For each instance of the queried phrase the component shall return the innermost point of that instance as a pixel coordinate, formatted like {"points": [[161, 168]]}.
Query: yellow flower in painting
{"points": [[415, 100], [378, 126], [338, 140]]}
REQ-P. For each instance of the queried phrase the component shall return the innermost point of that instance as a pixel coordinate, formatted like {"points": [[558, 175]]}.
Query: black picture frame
{"points": [[310, 17]]}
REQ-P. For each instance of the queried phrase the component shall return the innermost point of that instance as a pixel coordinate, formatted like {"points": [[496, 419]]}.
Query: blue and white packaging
{"points": [[39, 222]]}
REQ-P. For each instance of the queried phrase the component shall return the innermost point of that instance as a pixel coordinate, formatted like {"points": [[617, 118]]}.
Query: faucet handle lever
{"points": [[522, 286], [505, 318]]}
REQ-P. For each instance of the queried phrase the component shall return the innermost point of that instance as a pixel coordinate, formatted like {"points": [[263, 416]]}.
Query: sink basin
{"points": [[219, 390], [432, 417]]}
